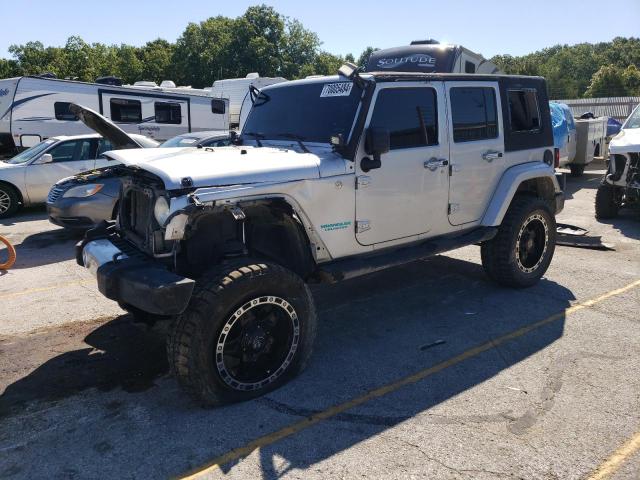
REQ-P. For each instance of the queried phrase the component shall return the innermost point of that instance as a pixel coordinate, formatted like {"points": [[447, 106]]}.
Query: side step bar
{"points": [[354, 267]]}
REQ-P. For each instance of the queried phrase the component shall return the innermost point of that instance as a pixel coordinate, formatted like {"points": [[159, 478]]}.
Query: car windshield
{"points": [[311, 112], [31, 153], [179, 142], [634, 119]]}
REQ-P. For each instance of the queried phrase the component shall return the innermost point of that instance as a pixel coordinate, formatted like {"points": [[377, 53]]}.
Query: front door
{"points": [[407, 195], [69, 158], [476, 148]]}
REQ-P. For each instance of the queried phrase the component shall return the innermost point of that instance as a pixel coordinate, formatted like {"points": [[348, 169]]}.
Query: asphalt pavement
{"points": [[423, 371]]}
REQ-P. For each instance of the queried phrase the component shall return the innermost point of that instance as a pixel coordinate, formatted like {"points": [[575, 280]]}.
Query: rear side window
{"points": [[473, 113], [524, 113], [168, 113], [63, 112], [125, 110], [218, 106], [409, 114]]}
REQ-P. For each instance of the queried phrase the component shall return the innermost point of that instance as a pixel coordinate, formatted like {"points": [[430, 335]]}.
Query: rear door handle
{"points": [[491, 155], [434, 163]]}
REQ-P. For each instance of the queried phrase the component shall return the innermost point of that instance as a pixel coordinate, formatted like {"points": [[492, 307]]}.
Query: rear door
{"points": [[476, 148], [69, 158]]}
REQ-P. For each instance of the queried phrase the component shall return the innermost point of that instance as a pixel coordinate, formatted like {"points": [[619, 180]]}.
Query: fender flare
{"points": [[508, 185]]}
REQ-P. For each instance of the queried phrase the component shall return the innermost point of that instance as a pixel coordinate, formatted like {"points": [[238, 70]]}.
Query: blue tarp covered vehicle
{"points": [[564, 131]]}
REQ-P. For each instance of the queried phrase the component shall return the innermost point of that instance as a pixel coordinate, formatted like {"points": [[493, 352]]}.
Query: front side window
{"points": [[168, 113], [410, 115], [634, 119], [63, 113], [104, 145], [524, 113], [473, 113], [125, 110], [71, 151]]}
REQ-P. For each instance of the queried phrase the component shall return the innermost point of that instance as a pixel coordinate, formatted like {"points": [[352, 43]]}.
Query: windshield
{"points": [[311, 112], [179, 142], [31, 153], [634, 119]]}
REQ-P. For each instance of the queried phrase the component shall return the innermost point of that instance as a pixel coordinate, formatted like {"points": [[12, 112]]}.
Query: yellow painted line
{"points": [[316, 418], [615, 461], [44, 289]]}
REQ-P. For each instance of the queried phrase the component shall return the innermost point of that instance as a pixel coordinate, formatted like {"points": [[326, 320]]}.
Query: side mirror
{"points": [[377, 141], [46, 158]]}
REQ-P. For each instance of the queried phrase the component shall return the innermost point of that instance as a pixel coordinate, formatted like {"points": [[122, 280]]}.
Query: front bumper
{"points": [[132, 279]]}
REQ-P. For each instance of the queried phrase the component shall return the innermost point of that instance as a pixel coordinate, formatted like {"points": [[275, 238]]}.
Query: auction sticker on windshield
{"points": [[338, 89]]}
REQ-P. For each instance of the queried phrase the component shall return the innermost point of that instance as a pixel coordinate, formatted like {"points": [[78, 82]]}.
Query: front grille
{"points": [[139, 211], [55, 193]]}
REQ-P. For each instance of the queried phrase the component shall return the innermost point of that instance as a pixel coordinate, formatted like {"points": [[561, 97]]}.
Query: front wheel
{"points": [[9, 201], [248, 329], [608, 201], [522, 250]]}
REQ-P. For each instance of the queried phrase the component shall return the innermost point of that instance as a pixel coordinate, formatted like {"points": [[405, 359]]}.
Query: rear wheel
{"points": [[577, 169], [248, 329], [608, 201], [9, 200], [522, 250]]}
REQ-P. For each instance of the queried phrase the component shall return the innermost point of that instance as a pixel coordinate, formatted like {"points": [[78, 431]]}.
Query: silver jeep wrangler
{"points": [[331, 178]]}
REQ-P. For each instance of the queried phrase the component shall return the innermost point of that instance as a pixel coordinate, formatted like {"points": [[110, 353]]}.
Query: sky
{"points": [[488, 27]]}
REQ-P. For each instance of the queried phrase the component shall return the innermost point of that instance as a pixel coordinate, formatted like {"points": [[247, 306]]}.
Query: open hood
{"points": [[230, 165], [628, 140], [105, 127]]}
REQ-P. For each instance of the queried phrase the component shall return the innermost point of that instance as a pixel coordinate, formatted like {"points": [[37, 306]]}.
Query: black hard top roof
{"points": [[413, 76]]}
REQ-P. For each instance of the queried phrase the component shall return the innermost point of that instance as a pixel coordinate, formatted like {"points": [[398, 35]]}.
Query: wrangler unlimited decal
{"points": [[327, 227]]}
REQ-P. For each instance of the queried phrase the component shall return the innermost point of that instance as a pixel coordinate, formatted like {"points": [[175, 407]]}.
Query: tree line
{"points": [[261, 40], [264, 41], [585, 70]]}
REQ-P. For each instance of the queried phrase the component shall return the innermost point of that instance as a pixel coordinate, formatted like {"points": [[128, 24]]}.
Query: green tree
{"points": [[364, 56], [631, 79], [608, 81], [156, 57]]}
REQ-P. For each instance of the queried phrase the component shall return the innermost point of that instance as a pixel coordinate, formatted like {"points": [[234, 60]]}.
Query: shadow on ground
{"points": [[372, 331]]}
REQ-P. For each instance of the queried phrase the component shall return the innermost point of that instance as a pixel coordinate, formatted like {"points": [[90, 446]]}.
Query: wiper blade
{"points": [[298, 138], [256, 135]]}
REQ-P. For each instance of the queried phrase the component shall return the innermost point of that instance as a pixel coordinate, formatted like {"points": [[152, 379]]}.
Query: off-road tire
{"points": [[218, 296], [8, 194], [607, 202], [577, 169], [499, 255]]}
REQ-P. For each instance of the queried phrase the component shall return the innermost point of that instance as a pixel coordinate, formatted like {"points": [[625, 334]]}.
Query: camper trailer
{"points": [[237, 91], [35, 108], [430, 56]]}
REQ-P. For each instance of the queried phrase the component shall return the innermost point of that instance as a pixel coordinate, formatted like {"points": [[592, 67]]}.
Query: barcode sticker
{"points": [[338, 89]]}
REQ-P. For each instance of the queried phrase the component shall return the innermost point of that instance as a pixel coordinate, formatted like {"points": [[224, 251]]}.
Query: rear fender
{"points": [[534, 177]]}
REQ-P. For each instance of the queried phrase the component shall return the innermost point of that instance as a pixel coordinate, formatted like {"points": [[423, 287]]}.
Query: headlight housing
{"points": [[161, 210], [83, 191]]}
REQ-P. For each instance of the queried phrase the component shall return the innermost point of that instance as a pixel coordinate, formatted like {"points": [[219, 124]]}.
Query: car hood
{"points": [[232, 165], [109, 130], [628, 140]]}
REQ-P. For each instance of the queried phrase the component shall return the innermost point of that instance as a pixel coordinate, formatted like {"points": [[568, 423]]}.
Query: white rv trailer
{"points": [[237, 90], [35, 108]]}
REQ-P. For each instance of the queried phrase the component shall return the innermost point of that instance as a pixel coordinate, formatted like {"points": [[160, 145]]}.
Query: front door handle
{"points": [[491, 155], [434, 163]]}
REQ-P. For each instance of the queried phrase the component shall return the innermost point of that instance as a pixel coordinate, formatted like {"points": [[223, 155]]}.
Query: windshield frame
{"points": [[359, 116], [32, 153], [635, 116]]}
